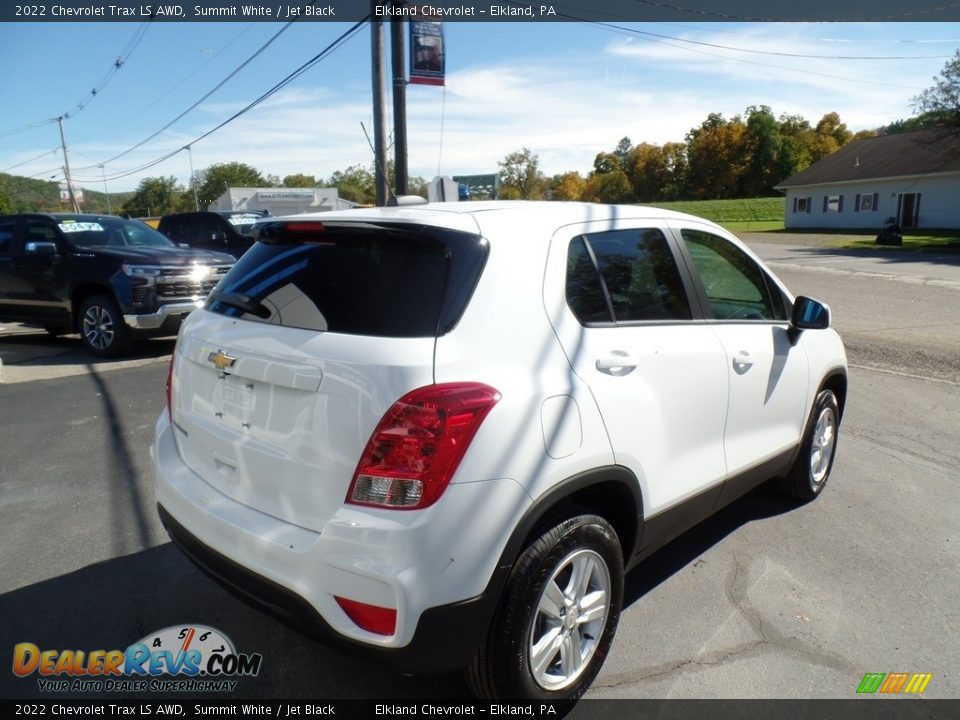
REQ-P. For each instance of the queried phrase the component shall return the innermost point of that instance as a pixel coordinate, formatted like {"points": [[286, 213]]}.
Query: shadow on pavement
{"points": [[113, 604], [20, 346], [763, 502]]}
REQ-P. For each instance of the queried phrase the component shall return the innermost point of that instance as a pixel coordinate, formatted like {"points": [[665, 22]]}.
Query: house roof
{"points": [[903, 154]]}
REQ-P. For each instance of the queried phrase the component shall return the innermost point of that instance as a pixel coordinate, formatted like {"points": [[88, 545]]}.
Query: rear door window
{"points": [[378, 280], [625, 275]]}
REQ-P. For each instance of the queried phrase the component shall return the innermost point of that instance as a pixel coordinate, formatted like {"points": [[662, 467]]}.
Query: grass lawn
{"points": [[744, 215]]}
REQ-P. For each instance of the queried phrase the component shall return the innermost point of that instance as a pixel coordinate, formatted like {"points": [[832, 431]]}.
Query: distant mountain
{"points": [[31, 195]]}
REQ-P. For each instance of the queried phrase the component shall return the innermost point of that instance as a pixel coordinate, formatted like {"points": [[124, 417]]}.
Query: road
{"points": [[766, 599]]}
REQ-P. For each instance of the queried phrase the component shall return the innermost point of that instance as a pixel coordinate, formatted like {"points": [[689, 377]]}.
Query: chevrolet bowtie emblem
{"points": [[221, 360]]}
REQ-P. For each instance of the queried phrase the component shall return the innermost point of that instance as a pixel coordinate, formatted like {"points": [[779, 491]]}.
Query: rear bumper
{"points": [[444, 591], [446, 636]]}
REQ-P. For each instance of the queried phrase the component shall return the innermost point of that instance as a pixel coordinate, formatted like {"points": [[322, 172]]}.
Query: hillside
{"points": [[28, 195]]}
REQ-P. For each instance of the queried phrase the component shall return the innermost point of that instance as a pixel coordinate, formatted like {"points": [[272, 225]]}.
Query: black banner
{"points": [[481, 11], [872, 709]]}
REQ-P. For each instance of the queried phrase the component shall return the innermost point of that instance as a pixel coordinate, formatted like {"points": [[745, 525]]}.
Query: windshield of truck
{"points": [[88, 232]]}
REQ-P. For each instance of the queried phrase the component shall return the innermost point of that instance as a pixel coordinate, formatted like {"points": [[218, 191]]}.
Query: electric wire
{"points": [[329, 49], [216, 87]]}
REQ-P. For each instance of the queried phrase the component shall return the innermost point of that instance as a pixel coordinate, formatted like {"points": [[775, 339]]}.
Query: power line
{"points": [[198, 102], [329, 49], [175, 86], [41, 155], [621, 29], [117, 64]]}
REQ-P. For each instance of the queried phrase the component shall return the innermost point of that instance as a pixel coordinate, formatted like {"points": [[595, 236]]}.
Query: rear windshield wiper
{"points": [[242, 302]]}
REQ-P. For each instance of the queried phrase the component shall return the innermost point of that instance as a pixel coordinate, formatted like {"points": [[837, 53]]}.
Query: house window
{"points": [[866, 202], [832, 203], [801, 204]]}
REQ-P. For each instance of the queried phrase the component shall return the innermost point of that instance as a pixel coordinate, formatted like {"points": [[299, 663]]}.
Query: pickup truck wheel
{"points": [[812, 467], [102, 328], [558, 616]]}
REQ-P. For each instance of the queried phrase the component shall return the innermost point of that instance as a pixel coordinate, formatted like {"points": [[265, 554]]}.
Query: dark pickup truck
{"points": [[107, 278]]}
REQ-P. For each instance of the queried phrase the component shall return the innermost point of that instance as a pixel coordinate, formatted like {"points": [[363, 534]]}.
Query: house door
{"points": [[908, 207]]}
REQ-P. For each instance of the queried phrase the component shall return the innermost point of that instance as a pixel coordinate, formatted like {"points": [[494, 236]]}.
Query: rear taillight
{"points": [[170, 387], [418, 445], [372, 618]]}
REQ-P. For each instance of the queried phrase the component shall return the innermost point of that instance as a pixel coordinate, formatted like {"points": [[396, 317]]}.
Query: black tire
{"points": [[811, 469], [102, 329], [503, 667]]}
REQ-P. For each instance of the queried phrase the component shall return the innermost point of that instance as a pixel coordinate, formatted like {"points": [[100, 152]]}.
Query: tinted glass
{"points": [[640, 274], [736, 286], [6, 235], [384, 281], [584, 290], [95, 231]]}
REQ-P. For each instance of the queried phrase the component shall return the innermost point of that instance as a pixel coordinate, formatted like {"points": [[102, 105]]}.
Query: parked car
{"points": [[442, 434], [228, 232], [107, 278]]}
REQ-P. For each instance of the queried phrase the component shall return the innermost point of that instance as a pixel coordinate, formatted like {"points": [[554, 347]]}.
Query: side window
{"points": [[736, 286], [584, 289], [638, 277], [6, 235], [39, 231]]}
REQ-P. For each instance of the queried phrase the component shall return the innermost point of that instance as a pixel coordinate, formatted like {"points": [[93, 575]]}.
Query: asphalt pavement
{"points": [[768, 599]]}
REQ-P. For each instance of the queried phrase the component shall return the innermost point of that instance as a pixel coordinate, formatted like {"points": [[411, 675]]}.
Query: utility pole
{"points": [[379, 101], [193, 180], [397, 49], [66, 167], [103, 174]]}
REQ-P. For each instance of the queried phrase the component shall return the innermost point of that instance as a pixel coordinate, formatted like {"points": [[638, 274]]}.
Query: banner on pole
{"points": [[427, 53]]}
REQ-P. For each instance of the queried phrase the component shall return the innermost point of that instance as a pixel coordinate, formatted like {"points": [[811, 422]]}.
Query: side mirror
{"points": [[218, 237], [809, 314], [41, 248]]}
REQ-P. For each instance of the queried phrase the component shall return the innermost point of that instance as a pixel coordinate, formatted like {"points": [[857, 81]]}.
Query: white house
{"points": [[912, 177], [281, 201]]}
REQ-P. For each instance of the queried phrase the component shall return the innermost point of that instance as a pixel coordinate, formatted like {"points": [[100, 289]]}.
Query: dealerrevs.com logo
{"points": [[183, 658]]}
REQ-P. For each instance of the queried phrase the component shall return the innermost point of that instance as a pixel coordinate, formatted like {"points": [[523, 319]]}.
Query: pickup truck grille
{"points": [[178, 284]]}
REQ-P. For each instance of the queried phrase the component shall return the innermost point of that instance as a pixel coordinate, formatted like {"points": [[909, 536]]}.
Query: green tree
{"points": [[520, 175], [608, 182], [213, 181], [6, 205], [356, 184], [622, 151], [299, 181], [763, 146], [155, 196], [940, 103]]}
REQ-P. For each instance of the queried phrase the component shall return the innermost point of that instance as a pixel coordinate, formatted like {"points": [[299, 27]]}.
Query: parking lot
{"points": [[765, 600]]}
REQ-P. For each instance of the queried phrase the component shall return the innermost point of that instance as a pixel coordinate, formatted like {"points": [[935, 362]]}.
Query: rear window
{"points": [[358, 279]]}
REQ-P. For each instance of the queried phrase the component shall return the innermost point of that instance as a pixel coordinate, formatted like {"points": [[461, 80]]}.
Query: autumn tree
{"points": [[657, 172], [717, 158], [567, 186], [520, 176]]}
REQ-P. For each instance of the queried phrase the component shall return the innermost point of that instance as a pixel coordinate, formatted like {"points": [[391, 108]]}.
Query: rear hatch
{"points": [[281, 379]]}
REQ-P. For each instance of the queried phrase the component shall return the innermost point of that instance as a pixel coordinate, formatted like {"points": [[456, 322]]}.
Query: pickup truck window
{"points": [[111, 232], [6, 235]]}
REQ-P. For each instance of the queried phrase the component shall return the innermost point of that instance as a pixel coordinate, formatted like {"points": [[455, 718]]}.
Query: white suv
{"points": [[442, 434]]}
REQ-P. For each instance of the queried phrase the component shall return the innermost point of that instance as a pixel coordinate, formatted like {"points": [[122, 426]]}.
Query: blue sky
{"points": [[565, 90]]}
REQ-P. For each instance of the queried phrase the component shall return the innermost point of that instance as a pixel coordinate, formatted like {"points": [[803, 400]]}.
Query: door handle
{"points": [[617, 360], [742, 361]]}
